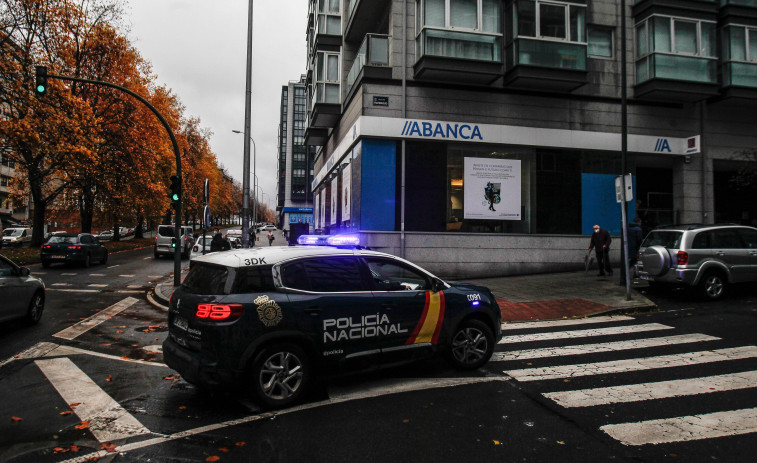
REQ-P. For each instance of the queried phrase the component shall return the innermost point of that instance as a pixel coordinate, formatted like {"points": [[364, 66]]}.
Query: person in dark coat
{"points": [[635, 237], [601, 240], [216, 244]]}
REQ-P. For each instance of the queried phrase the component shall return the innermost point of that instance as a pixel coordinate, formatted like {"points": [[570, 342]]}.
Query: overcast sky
{"points": [[198, 49]]}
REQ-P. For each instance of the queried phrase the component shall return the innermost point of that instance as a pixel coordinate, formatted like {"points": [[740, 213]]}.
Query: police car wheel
{"points": [[279, 375], [472, 345]]}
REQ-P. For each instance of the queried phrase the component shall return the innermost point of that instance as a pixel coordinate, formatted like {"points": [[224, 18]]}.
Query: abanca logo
{"points": [[442, 130]]}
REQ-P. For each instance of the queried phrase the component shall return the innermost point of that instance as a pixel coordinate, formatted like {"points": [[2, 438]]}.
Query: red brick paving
{"points": [[548, 310]]}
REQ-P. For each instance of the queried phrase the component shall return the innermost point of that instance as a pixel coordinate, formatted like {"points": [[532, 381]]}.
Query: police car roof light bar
{"points": [[343, 240], [311, 240]]}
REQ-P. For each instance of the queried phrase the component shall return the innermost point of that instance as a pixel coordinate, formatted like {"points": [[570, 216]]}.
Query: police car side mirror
{"points": [[437, 285]]}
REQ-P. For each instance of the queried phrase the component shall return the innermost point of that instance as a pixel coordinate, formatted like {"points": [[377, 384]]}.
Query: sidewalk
{"points": [[546, 296]]}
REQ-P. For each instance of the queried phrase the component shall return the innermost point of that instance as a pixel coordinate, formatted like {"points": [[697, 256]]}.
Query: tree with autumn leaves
{"points": [[89, 149]]}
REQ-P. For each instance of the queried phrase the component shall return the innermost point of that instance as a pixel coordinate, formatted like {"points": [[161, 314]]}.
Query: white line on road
{"points": [[62, 351], [61, 284], [613, 330], [582, 349], [98, 286], [652, 391], [553, 323], [75, 290], [133, 286], [130, 291], [623, 366], [685, 428], [108, 421], [36, 351], [114, 266], [147, 258], [85, 325], [126, 276], [97, 274], [69, 274]]}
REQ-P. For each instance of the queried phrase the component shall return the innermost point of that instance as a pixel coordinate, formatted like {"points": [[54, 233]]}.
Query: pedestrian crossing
{"points": [[613, 371]]}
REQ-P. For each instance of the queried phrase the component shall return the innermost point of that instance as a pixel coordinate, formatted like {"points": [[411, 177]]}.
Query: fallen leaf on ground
{"points": [[172, 377], [83, 425], [213, 458], [182, 407], [60, 450], [496, 442], [16, 419], [561, 442], [74, 405], [110, 377], [69, 412], [223, 449], [125, 358], [405, 421], [108, 447], [240, 444]]}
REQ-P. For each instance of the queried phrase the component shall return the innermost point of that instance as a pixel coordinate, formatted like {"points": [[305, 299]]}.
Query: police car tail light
{"points": [[683, 258], [343, 240], [225, 312], [74, 247]]}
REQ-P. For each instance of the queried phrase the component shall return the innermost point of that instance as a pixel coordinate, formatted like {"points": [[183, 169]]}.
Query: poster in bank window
{"points": [[492, 189]]}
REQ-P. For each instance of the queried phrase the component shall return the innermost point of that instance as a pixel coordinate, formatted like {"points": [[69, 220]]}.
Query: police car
{"points": [[271, 318]]}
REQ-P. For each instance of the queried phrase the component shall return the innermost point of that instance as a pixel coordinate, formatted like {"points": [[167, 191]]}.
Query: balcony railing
{"points": [[462, 45], [739, 74], [374, 51], [677, 67], [550, 54]]}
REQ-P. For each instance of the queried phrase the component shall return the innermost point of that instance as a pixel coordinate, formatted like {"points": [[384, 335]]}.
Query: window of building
{"points": [[740, 56], [329, 17], [601, 41], [4, 181], [469, 29], [549, 34], [327, 83], [675, 48]]}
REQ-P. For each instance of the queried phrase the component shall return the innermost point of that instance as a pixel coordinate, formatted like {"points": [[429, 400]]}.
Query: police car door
{"points": [[414, 313], [335, 307]]}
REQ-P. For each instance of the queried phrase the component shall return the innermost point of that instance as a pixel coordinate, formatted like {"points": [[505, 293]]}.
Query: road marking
{"points": [[613, 330], [76, 290], [36, 351], [134, 286], [69, 274], [108, 421], [154, 277], [553, 323], [413, 385], [652, 391], [601, 347], [622, 366], [130, 291], [61, 351], [126, 276], [114, 266], [83, 326], [685, 428], [97, 274], [147, 258], [97, 286], [61, 284]]}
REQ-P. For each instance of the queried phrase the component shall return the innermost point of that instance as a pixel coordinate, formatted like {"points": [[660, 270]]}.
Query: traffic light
{"points": [[173, 242], [40, 83], [174, 193]]}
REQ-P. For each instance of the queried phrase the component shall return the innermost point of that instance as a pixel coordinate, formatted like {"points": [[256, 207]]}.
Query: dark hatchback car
{"points": [[81, 248], [22, 295], [270, 319]]}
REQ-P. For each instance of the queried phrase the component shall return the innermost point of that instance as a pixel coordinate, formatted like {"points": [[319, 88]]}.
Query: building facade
{"points": [[294, 202], [483, 137]]}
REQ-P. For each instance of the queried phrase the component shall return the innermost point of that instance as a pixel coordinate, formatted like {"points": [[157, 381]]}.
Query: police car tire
{"points": [[472, 345], [262, 373]]}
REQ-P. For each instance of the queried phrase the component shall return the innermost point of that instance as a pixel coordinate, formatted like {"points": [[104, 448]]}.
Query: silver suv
{"points": [[708, 257], [163, 241]]}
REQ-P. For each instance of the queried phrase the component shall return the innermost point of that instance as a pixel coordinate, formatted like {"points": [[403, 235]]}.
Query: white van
{"points": [[16, 237], [163, 241]]}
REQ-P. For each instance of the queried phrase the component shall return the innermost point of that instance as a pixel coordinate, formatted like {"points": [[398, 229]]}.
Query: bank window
{"points": [[550, 20], [601, 43], [469, 29]]}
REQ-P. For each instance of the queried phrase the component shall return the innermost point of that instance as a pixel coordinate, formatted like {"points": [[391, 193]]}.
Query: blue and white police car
{"points": [[270, 319]]}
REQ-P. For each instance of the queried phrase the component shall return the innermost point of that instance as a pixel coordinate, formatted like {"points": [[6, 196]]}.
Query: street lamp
{"points": [[246, 193]]}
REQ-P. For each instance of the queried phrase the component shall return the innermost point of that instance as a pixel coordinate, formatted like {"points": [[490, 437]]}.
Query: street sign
{"points": [[619, 188], [206, 214], [206, 192]]}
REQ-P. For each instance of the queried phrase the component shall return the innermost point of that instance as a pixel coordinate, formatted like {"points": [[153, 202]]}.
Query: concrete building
{"points": [[483, 137], [294, 202]]}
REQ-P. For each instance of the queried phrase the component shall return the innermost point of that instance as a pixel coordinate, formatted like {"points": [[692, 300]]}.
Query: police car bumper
{"points": [[193, 368]]}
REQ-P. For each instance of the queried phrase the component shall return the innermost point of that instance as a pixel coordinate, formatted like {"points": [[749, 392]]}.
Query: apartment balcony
{"points": [[362, 16], [740, 81], [461, 57], [546, 65], [371, 61], [316, 136], [676, 78], [327, 32], [738, 11]]}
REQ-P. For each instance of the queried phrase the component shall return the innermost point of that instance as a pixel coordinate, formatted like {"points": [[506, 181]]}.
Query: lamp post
{"points": [[246, 190], [247, 117]]}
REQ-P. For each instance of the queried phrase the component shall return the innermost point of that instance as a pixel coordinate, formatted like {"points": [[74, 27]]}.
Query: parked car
{"points": [[267, 228], [272, 318], [708, 257], [17, 237], [164, 238], [81, 248], [197, 249], [23, 295], [235, 238]]}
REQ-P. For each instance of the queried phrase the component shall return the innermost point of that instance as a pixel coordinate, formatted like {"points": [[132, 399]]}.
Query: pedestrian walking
{"points": [[270, 238], [635, 237], [252, 237], [600, 240], [216, 244], [226, 244]]}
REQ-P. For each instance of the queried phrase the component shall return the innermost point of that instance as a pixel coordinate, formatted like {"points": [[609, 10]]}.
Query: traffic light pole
{"points": [[177, 225]]}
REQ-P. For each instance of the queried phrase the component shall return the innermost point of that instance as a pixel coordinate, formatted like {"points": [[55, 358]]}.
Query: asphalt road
{"points": [[669, 385]]}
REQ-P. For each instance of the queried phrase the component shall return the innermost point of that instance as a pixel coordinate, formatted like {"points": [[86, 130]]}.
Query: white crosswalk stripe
{"points": [[613, 330], [563, 340]]}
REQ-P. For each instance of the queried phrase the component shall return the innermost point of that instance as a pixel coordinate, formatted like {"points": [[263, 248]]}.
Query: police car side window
{"points": [[253, 280], [324, 275], [206, 279], [294, 276], [394, 276]]}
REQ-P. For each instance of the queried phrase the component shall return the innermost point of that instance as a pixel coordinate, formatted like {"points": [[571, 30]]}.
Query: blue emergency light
{"points": [[326, 240]]}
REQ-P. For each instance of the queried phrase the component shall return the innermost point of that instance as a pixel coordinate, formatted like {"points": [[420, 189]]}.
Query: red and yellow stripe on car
{"points": [[430, 324]]}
